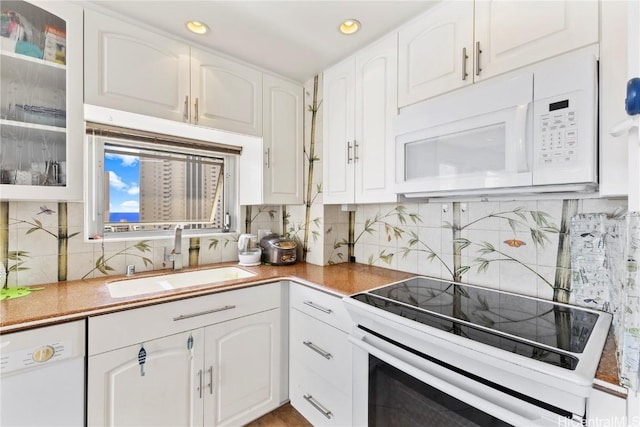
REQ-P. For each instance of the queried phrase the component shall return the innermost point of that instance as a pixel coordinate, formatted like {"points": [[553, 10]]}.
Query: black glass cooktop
{"points": [[509, 322]]}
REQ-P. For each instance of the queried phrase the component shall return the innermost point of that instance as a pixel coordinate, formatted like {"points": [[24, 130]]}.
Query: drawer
{"points": [[321, 348], [124, 328], [325, 307], [313, 397]]}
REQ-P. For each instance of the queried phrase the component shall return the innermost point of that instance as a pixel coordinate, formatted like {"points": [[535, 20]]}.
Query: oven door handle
{"points": [[453, 391]]}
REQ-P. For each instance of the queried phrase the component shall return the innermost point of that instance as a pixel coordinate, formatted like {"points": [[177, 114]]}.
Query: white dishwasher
{"points": [[42, 375]]}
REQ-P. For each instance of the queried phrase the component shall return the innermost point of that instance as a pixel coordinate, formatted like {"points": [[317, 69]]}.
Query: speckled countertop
{"points": [[77, 299]]}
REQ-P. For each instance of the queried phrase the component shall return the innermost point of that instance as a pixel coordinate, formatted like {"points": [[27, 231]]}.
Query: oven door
{"points": [[393, 386]]}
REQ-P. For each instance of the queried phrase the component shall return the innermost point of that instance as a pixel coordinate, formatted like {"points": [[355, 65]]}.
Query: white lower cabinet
{"points": [[223, 370], [161, 392], [242, 369], [319, 357]]}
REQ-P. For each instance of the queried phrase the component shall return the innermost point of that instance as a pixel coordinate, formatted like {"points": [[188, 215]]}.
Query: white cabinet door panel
{"points": [[338, 131], [376, 97], [245, 357], [131, 69], [228, 94], [515, 34], [430, 52], [167, 394], [283, 108]]}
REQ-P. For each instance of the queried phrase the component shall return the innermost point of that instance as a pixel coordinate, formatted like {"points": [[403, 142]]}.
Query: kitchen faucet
{"points": [[176, 254]]}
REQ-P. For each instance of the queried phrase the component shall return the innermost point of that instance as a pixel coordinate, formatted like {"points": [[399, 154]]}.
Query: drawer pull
{"points": [[327, 413], [318, 307], [199, 388], [318, 350], [202, 313]]}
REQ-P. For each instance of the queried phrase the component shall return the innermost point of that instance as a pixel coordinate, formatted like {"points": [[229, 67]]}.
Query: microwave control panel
{"points": [[558, 134]]}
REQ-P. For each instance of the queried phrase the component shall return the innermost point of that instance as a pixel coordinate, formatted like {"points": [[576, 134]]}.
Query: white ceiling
{"points": [[295, 38]]}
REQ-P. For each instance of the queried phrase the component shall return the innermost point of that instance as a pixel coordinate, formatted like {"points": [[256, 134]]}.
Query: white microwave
{"points": [[529, 131]]}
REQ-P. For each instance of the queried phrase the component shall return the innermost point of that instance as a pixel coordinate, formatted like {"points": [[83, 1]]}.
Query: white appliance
{"points": [[432, 352], [533, 130], [42, 376], [249, 252]]}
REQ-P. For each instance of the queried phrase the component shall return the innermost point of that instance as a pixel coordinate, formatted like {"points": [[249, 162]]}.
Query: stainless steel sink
{"points": [[145, 285]]}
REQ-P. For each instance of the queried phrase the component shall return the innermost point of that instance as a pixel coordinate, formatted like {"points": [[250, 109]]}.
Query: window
{"points": [[144, 185]]}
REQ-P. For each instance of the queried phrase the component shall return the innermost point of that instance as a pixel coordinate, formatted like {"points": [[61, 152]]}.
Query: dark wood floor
{"points": [[284, 416]]}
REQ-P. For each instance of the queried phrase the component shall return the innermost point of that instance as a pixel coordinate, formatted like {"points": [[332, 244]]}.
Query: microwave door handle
{"points": [[519, 159]]}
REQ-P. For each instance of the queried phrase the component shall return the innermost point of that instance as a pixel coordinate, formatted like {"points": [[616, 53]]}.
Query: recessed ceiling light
{"points": [[349, 26], [197, 27]]}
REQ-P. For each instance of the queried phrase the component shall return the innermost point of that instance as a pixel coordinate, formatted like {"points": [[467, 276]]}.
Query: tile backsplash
{"points": [[38, 251]]}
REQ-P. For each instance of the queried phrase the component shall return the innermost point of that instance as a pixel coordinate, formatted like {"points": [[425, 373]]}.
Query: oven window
{"points": [[398, 399]]}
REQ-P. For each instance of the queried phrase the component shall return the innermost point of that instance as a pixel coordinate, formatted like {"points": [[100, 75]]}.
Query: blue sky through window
{"points": [[124, 187]]}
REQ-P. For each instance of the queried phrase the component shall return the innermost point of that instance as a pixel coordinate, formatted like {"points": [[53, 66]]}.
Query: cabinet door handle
{"points": [[478, 52], [185, 114], [196, 113], [199, 388], [349, 152], [268, 160], [324, 411], [318, 350], [318, 307], [202, 313], [210, 385], [464, 63], [355, 151]]}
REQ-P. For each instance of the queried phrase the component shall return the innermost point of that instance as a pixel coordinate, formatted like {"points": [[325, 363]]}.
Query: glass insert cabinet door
{"points": [[41, 118]]}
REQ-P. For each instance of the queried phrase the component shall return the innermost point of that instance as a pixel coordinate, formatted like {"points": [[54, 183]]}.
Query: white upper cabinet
{"points": [[41, 125], [338, 132], [435, 52], [512, 34], [271, 171], [376, 98], [132, 69], [359, 103], [457, 43], [282, 138], [225, 94]]}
